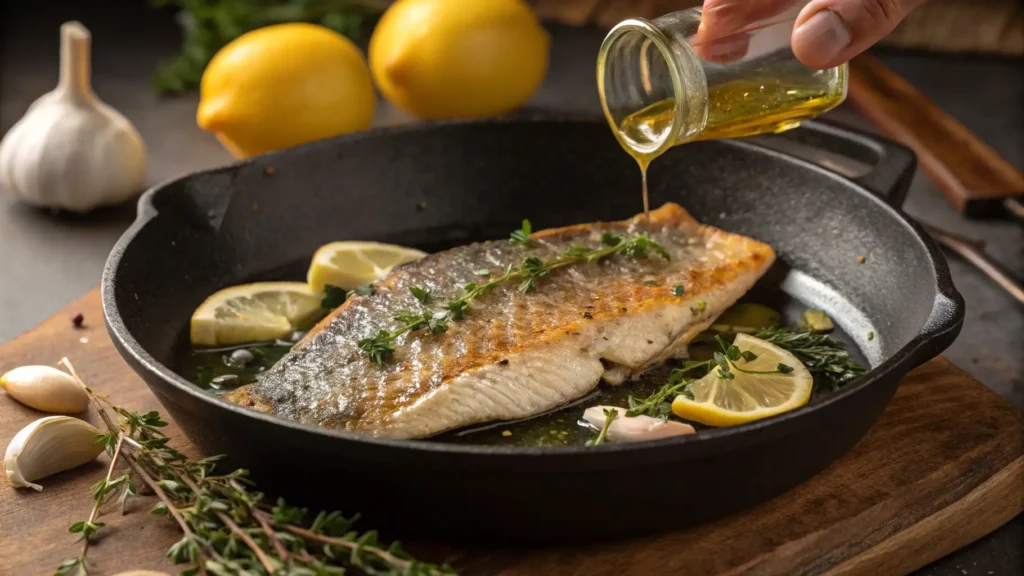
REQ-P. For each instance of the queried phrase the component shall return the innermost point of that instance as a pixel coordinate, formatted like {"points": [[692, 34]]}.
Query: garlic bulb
{"points": [[48, 446], [45, 388], [70, 150]]}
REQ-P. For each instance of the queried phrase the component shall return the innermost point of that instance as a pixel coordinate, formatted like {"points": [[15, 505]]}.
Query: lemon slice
{"points": [[351, 264], [747, 397], [254, 313]]}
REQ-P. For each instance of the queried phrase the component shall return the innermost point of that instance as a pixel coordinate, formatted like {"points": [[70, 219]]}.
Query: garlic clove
{"points": [[45, 388], [48, 446]]}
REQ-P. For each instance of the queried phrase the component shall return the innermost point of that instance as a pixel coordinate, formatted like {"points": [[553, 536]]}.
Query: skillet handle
{"points": [[891, 165]]}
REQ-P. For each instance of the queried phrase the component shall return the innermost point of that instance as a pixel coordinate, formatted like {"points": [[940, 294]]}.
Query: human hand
{"points": [[827, 32]]}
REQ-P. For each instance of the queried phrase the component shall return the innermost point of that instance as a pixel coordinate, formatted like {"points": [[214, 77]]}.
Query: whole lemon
{"points": [[284, 85], [458, 58]]}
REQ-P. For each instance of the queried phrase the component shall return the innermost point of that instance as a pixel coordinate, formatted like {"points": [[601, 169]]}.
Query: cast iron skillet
{"points": [[448, 184]]}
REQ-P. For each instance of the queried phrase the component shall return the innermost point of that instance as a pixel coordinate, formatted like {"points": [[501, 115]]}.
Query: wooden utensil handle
{"points": [[973, 177]]}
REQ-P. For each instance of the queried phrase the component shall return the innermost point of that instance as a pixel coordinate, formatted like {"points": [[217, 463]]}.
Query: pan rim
{"points": [[938, 331]]}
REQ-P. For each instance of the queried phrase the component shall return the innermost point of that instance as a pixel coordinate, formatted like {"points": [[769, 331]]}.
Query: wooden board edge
{"points": [[930, 539]]}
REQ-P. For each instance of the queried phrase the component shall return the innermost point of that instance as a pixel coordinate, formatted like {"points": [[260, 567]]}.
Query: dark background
{"points": [[48, 260]]}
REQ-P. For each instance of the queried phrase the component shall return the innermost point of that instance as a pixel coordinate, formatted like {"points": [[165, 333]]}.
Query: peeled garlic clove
{"points": [[45, 388], [48, 446]]}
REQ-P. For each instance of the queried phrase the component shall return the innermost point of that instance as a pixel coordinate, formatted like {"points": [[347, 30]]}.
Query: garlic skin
{"points": [[48, 446], [71, 151], [45, 388]]}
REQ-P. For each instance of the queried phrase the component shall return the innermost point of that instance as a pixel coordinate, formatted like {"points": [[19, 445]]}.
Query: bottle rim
{"points": [[663, 44]]}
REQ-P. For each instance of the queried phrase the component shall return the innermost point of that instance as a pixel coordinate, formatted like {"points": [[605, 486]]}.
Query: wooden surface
{"points": [[973, 177], [943, 467]]}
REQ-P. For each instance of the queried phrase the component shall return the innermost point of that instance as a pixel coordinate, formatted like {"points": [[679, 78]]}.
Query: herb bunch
{"points": [[826, 358], [526, 274], [227, 528], [208, 25]]}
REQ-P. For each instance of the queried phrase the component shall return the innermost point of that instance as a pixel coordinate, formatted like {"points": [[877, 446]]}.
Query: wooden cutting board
{"points": [[943, 467]]}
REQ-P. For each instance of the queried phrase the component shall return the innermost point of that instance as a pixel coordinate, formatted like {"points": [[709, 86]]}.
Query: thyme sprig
{"points": [[609, 415], [659, 404], [527, 273], [227, 529], [825, 358]]}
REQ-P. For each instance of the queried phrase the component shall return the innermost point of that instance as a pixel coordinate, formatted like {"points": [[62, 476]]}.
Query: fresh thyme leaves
{"points": [[227, 528], [335, 296], [658, 405], [208, 25], [678, 290], [609, 415], [381, 346], [521, 237], [827, 359], [421, 294]]}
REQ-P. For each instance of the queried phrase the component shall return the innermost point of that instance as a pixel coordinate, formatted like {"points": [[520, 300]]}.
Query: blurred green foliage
{"points": [[207, 25]]}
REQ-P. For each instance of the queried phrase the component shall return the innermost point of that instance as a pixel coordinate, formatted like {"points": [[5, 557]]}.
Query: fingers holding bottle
{"points": [[727, 25], [831, 32]]}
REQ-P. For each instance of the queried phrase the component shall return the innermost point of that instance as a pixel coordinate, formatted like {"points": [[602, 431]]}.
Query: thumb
{"points": [[830, 32]]}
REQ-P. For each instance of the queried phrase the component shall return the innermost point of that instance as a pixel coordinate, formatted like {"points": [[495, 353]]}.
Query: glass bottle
{"points": [[663, 82]]}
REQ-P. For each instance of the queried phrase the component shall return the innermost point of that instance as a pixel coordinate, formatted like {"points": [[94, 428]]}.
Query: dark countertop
{"points": [[49, 260]]}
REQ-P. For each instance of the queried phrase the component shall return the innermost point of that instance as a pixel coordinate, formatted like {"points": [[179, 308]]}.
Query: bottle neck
{"points": [[652, 86]]}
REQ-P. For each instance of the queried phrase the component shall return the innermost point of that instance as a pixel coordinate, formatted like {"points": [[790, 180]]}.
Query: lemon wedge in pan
{"points": [[352, 264], [254, 313], [770, 382]]}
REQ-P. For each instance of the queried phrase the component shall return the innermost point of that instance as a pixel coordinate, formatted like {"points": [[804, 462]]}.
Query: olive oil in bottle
{"points": [[658, 89]]}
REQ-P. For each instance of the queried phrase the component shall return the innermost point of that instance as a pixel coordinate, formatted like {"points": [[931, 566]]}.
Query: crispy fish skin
{"points": [[514, 355]]}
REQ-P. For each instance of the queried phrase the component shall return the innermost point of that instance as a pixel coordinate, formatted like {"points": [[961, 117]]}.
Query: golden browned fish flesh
{"points": [[514, 355]]}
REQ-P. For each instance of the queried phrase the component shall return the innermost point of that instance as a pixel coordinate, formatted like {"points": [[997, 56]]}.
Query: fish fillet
{"points": [[514, 355]]}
